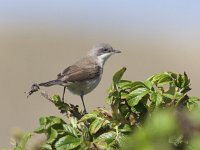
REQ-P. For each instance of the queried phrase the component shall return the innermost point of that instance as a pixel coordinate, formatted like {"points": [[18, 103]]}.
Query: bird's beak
{"points": [[116, 51]]}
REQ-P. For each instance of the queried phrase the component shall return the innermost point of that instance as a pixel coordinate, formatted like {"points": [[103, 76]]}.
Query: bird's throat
{"points": [[102, 59]]}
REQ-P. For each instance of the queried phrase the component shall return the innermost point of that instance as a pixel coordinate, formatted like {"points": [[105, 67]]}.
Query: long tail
{"points": [[50, 83], [35, 87]]}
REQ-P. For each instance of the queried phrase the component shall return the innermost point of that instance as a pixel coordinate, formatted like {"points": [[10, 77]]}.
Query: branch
{"points": [[65, 108]]}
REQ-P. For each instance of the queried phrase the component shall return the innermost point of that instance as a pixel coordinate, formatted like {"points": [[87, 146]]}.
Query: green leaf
{"points": [[96, 125], [107, 138], [24, 140], [125, 128], [48, 122], [70, 130], [43, 122], [157, 98], [187, 80], [182, 81], [135, 96], [55, 120], [118, 75], [87, 117], [162, 78], [192, 103], [125, 84], [166, 79], [148, 84], [124, 109], [53, 136], [168, 95], [67, 142], [153, 96], [137, 84], [46, 147], [56, 98], [124, 94]]}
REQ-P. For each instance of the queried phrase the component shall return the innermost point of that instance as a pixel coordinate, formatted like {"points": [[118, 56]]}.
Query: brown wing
{"points": [[77, 73]]}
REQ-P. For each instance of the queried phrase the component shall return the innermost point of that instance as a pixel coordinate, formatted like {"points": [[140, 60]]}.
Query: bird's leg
{"points": [[63, 96], [84, 111]]}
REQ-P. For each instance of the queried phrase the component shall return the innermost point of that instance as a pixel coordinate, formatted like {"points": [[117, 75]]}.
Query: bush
{"points": [[149, 115]]}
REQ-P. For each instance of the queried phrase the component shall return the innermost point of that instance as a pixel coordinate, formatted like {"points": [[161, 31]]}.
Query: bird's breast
{"points": [[83, 87]]}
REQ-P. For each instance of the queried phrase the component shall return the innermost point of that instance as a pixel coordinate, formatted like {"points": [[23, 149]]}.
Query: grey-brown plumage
{"points": [[83, 76]]}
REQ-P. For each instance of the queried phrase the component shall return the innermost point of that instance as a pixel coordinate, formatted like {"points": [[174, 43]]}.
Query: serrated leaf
{"points": [[118, 75], [135, 96], [53, 136], [96, 125], [67, 142]]}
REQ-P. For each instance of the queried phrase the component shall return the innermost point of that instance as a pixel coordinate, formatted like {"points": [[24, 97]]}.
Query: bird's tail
{"points": [[50, 83], [35, 87]]}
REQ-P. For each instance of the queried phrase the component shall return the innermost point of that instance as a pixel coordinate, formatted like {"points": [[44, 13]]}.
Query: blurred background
{"points": [[38, 39]]}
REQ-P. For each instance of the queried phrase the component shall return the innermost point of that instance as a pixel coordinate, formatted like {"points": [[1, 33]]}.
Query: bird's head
{"points": [[102, 52]]}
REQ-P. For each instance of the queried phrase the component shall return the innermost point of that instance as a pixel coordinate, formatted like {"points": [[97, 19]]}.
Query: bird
{"points": [[84, 75]]}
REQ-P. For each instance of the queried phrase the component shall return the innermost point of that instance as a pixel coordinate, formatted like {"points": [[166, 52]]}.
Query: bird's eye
{"points": [[106, 50]]}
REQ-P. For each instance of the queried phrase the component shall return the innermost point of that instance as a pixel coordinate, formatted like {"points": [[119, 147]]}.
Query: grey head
{"points": [[102, 51]]}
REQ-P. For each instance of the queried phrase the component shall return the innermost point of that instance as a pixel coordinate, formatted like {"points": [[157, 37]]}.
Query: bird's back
{"points": [[84, 69]]}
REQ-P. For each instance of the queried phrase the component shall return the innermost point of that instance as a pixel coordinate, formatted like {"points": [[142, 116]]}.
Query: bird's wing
{"points": [[79, 73]]}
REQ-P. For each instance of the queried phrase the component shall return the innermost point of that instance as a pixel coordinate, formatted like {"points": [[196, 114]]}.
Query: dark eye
{"points": [[106, 50]]}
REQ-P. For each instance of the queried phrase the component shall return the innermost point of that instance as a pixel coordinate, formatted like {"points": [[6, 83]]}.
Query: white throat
{"points": [[102, 59]]}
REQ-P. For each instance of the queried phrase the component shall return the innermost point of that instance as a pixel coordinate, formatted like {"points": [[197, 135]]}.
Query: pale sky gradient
{"points": [[39, 38]]}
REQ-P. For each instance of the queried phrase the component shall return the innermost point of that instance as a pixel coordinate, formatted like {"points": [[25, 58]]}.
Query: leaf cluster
{"points": [[135, 117]]}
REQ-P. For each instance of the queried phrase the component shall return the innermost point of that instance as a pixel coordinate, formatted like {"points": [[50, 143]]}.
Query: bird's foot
{"points": [[63, 100], [85, 112]]}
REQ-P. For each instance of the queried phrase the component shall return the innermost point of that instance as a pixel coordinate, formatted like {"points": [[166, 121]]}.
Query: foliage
{"points": [[137, 119]]}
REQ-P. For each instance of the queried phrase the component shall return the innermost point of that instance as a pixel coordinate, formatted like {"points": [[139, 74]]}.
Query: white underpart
{"points": [[102, 58], [83, 87]]}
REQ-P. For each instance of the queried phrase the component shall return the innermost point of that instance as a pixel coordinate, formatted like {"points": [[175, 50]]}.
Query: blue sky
{"points": [[169, 20], [105, 12]]}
